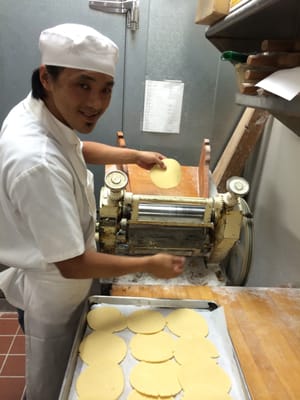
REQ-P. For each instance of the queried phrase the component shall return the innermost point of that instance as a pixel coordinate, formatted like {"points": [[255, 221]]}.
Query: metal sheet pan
{"points": [[212, 312]]}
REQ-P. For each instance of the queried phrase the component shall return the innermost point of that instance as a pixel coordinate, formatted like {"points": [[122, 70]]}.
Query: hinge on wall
{"points": [[128, 7]]}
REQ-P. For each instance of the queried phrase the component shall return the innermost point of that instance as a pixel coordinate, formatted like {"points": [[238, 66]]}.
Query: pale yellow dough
{"points": [[105, 381], [206, 392], [100, 347], [187, 322], [146, 321], [155, 379], [187, 349], [152, 348], [134, 395], [106, 318], [207, 373], [166, 178]]}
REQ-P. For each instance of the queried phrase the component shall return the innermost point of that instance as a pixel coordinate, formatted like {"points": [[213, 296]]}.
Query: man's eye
{"points": [[84, 86], [107, 90]]}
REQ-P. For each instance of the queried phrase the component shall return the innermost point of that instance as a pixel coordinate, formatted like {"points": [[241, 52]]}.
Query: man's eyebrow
{"points": [[89, 78]]}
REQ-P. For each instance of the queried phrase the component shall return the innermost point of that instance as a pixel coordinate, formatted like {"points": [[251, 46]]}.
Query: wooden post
{"points": [[239, 147]]}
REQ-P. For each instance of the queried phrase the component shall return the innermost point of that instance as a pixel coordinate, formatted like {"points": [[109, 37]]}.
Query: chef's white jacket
{"points": [[47, 214]]}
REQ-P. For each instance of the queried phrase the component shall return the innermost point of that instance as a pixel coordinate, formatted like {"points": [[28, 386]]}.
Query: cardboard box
{"points": [[210, 11], [237, 3]]}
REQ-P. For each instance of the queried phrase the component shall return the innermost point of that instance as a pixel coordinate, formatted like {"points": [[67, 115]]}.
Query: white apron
{"points": [[52, 311], [52, 304]]}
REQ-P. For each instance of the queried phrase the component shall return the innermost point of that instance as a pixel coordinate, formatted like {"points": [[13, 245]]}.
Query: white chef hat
{"points": [[78, 46]]}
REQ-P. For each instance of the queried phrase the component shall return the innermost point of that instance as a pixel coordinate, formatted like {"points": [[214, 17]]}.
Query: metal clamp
{"points": [[128, 7]]}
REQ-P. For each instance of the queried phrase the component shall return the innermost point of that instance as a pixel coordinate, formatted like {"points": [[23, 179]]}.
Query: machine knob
{"points": [[116, 180], [237, 185]]}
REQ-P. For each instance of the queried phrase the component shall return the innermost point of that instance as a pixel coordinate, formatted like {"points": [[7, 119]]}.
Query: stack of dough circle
{"points": [[106, 318], [157, 347], [166, 178], [193, 370], [106, 381], [101, 347], [187, 349], [187, 322], [197, 376], [155, 379], [134, 395], [146, 321]]}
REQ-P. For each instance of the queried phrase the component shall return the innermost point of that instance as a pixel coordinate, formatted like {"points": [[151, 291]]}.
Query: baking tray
{"points": [[218, 334]]}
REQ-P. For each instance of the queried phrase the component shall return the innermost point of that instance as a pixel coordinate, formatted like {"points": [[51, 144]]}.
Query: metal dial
{"points": [[237, 185], [116, 180]]}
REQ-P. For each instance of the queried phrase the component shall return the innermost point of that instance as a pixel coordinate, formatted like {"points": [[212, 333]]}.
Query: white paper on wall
{"points": [[162, 106]]}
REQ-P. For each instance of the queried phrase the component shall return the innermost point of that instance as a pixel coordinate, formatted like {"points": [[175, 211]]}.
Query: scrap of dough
{"points": [[208, 373], [166, 178], [134, 395], [100, 347], [155, 379], [152, 348], [146, 321], [205, 392], [187, 322], [106, 318], [105, 381], [188, 348]]}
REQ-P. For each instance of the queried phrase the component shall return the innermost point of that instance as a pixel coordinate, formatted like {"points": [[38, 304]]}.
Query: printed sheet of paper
{"points": [[284, 83], [162, 106]]}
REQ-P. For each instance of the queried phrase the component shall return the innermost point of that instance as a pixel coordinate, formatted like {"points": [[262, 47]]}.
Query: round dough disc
{"points": [[187, 322], [205, 373], [100, 347], [105, 381], [152, 348], [106, 318], [188, 348], [134, 395], [155, 379], [206, 392], [166, 178], [146, 321]]}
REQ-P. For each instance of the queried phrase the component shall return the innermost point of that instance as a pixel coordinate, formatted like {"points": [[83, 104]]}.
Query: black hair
{"points": [[38, 90]]}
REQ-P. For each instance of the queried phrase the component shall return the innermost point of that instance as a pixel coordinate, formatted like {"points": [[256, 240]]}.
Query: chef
{"points": [[47, 205]]}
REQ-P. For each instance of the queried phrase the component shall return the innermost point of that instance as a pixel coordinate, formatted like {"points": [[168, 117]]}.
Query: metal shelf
{"points": [[244, 29], [288, 112], [271, 103], [247, 26]]}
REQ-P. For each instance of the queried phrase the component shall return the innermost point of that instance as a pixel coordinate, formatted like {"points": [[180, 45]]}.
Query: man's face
{"points": [[77, 97]]}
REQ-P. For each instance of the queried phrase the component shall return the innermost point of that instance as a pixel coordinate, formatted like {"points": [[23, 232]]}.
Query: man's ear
{"points": [[44, 77]]}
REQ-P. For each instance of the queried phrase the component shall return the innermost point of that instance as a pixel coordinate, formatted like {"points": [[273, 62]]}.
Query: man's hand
{"points": [[165, 266], [147, 159]]}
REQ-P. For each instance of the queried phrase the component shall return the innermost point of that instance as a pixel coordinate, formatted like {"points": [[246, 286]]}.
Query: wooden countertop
{"points": [[264, 324]]}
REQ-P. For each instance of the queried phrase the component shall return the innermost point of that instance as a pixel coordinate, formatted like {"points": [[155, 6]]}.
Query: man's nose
{"points": [[95, 101]]}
